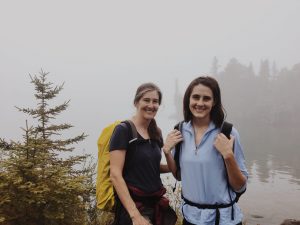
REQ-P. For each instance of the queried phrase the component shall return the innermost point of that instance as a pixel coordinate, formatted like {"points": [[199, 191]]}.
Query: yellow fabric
{"points": [[104, 188]]}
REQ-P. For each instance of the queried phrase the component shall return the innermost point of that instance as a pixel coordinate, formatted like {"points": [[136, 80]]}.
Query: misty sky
{"points": [[103, 50]]}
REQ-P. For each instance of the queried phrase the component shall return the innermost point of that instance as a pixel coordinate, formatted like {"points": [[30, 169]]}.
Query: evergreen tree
{"points": [[251, 72], [215, 67], [264, 71], [38, 185], [275, 71], [177, 115]]}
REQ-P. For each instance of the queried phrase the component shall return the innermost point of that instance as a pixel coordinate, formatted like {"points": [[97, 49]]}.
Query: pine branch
{"points": [[58, 109]]}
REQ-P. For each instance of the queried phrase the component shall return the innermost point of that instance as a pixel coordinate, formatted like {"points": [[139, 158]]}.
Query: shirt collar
{"points": [[188, 127]]}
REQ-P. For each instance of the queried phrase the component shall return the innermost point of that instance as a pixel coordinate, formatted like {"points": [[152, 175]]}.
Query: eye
{"points": [[155, 101], [196, 97], [146, 100], [207, 98]]}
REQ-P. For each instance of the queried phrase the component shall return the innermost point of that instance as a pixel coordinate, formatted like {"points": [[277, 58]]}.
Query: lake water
{"points": [[272, 195]]}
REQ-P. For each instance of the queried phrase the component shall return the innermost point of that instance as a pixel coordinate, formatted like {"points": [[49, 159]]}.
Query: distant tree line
{"points": [[265, 107], [267, 102]]}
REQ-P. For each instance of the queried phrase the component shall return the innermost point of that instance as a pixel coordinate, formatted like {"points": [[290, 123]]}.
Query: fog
{"points": [[103, 50]]}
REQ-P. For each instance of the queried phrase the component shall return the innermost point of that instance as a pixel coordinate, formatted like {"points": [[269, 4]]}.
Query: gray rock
{"points": [[290, 222]]}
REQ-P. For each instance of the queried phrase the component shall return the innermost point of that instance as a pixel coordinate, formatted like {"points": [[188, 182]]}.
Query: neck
{"points": [[201, 123], [140, 122]]}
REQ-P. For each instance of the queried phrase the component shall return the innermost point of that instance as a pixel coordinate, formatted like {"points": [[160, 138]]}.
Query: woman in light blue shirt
{"points": [[209, 188]]}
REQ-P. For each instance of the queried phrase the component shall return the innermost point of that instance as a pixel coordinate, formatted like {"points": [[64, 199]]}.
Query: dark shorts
{"points": [[123, 218]]}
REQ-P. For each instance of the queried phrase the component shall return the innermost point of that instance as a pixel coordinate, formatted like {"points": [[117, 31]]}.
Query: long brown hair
{"points": [[153, 130]]}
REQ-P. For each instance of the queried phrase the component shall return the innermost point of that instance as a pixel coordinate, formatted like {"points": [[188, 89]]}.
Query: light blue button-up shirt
{"points": [[204, 178]]}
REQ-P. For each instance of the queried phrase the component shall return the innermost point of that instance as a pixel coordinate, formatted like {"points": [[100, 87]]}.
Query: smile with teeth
{"points": [[199, 109], [150, 110]]}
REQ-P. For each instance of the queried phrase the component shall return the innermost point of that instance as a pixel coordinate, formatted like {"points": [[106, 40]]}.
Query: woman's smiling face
{"points": [[148, 105], [201, 102]]}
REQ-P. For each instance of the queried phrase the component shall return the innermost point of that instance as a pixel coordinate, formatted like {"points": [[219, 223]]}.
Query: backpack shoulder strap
{"points": [[226, 129], [133, 135], [133, 130], [178, 126]]}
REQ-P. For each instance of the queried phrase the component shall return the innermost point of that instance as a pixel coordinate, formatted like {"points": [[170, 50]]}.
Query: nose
{"points": [[200, 101], [152, 104]]}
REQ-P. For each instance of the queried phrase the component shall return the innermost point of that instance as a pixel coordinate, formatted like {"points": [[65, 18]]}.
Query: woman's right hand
{"points": [[138, 219], [172, 139]]}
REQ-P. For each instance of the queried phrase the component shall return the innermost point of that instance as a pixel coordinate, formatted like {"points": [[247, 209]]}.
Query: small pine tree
{"points": [[177, 115], [215, 67], [264, 71], [37, 185]]}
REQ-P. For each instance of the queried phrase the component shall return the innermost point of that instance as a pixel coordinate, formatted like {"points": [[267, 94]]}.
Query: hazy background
{"points": [[103, 50]]}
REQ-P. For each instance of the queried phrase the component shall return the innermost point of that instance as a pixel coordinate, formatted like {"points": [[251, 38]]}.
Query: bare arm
{"points": [[171, 162], [164, 168], [224, 145], [236, 178], [117, 160], [172, 139]]}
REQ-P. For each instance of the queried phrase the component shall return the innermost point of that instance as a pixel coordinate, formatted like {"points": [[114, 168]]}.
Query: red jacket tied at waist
{"points": [[159, 202]]}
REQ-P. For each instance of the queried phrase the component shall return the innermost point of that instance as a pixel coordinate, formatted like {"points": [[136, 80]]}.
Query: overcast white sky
{"points": [[103, 50]]}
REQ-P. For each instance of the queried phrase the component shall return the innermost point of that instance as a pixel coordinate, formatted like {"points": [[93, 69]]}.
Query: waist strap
{"points": [[212, 206]]}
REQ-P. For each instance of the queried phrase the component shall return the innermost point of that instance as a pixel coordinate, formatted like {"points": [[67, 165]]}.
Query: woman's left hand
{"points": [[224, 145], [172, 139]]}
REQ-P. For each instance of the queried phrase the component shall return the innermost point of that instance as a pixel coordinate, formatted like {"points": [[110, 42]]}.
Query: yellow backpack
{"points": [[105, 195]]}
